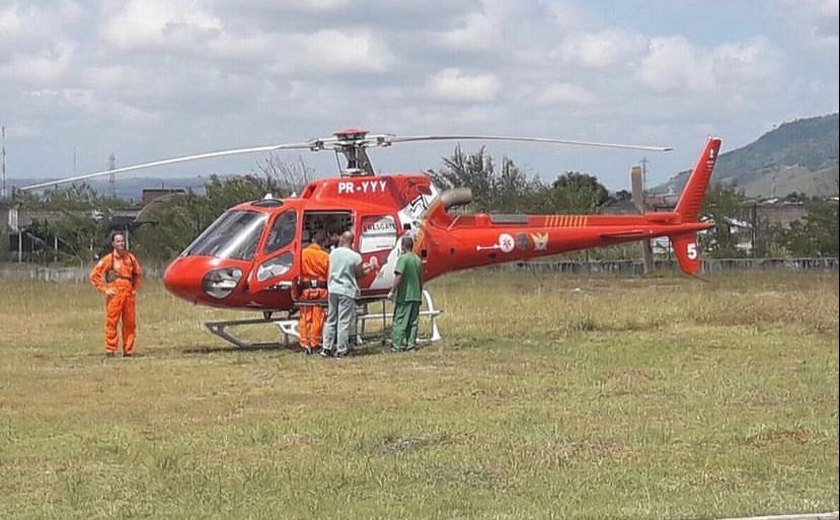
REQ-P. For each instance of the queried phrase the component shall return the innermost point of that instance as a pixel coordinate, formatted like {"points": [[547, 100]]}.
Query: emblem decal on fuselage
{"points": [[506, 243], [540, 241]]}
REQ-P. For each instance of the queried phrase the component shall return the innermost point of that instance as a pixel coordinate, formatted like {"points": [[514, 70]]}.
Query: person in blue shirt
{"points": [[346, 268]]}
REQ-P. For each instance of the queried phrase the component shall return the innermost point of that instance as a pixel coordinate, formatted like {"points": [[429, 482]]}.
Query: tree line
{"points": [[80, 228]]}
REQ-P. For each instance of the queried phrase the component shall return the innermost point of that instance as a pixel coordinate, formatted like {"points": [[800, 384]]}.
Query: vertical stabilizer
{"points": [[687, 252], [691, 199], [688, 207]]}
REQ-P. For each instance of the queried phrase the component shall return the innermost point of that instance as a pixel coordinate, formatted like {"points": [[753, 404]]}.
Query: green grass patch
{"points": [[551, 396]]}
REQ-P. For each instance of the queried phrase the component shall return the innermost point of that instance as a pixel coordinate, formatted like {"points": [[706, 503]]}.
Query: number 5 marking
{"points": [[691, 250]]}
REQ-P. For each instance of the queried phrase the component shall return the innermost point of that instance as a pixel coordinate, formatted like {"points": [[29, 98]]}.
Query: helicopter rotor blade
{"points": [[413, 138], [174, 160], [339, 143]]}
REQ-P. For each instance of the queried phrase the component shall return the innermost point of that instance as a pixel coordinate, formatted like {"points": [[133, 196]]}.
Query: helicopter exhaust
{"points": [[455, 197]]}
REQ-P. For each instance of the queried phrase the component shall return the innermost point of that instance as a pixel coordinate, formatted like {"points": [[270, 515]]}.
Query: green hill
{"points": [[799, 156]]}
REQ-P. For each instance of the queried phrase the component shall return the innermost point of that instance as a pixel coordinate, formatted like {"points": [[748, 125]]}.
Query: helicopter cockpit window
{"points": [[282, 232], [233, 235]]}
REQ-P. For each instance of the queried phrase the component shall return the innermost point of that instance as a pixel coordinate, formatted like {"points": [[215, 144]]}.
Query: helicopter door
{"points": [[328, 223], [277, 259], [378, 244]]}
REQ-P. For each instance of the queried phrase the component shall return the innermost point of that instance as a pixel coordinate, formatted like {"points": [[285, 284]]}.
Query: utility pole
{"points": [[112, 165], [637, 187], [3, 156]]}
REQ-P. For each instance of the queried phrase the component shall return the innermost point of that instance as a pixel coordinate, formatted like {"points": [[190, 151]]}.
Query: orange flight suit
{"points": [[314, 270], [123, 275]]}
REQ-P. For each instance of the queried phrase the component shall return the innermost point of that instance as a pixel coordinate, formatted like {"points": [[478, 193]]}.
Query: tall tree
{"points": [[291, 176], [726, 206], [817, 235], [574, 193], [177, 222], [475, 171]]}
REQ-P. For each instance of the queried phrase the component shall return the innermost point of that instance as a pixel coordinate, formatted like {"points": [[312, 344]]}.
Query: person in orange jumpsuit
{"points": [[118, 275], [314, 269]]}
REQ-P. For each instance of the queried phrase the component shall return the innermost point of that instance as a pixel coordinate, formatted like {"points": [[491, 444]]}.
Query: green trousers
{"points": [[404, 333]]}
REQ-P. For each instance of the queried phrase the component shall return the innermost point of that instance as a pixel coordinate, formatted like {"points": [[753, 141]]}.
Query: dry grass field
{"points": [[551, 396]]}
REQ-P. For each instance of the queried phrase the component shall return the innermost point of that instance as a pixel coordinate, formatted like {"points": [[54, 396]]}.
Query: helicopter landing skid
{"points": [[287, 326], [384, 319]]}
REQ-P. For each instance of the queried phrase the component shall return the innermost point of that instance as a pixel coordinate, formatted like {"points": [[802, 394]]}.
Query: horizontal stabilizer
{"points": [[633, 233]]}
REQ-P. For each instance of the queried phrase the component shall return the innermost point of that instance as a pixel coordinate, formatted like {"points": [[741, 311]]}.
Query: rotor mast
{"points": [[352, 144]]}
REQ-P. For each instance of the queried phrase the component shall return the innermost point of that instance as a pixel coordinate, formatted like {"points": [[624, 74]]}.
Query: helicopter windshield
{"points": [[233, 235]]}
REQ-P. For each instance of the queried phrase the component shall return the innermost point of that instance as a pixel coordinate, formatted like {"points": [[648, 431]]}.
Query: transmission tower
{"points": [[112, 165]]}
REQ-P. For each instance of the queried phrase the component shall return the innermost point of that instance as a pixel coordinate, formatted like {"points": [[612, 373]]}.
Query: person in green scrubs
{"points": [[406, 294]]}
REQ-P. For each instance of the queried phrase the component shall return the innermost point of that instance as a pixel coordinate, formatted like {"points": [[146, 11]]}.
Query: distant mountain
{"points": [[800, 156], [131, 188]]}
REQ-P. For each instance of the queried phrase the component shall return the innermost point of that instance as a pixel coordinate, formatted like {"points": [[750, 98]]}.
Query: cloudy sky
{"points": [[151, 79]]}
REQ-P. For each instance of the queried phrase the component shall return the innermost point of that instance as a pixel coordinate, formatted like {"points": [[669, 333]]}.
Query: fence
{"points": [[615, 267], [636, 267], [14, 271]]}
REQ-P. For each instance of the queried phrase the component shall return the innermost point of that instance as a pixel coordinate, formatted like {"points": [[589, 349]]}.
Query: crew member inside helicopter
{"points": [[314, 270]]}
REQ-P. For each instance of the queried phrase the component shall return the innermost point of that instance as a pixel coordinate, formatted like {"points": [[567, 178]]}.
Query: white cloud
{"points": [[311, 5], [746, 64], [41, 68], [28, 27], [568, 18], [601, 49], [92, 104], [453, 85], [479, 33], [564, 94], [11, 23], [157, 24], [816, 20], [341, 52], [109, 76], [256, 46], [673, 63], [194, 73]]}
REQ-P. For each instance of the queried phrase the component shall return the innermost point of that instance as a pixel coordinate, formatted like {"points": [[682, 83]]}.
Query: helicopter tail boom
{"points": [[489, 239]]}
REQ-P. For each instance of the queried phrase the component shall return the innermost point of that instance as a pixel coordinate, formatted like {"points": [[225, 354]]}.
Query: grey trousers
{"points": [[341, 317]]}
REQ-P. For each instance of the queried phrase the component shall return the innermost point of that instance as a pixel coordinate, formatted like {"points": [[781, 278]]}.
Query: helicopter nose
{"points": [[183, 277]]}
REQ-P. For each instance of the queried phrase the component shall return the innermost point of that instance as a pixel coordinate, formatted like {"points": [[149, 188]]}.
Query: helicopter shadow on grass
{"points": [[366, 349]]}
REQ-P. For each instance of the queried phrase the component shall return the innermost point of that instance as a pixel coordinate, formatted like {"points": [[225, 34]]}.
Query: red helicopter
{"points": [[248, 258]]}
